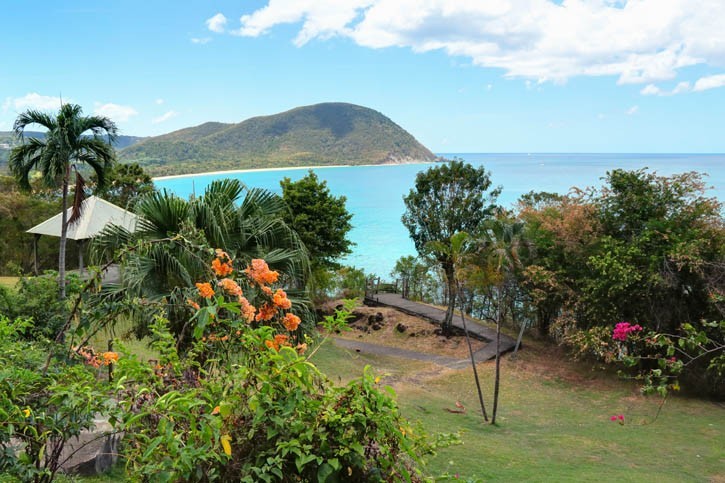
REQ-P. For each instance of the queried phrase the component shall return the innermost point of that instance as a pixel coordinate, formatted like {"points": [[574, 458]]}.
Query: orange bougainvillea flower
{"points": [[192, 304], [216, 410], [281, 340], [248, 309], [266, 312], [267, 290], [222, 264], [301, 348], [205, 290], [259, 272], [271, 344], [291, 322], [220, 268], [280, 299], [109, 358], [230, 287]]}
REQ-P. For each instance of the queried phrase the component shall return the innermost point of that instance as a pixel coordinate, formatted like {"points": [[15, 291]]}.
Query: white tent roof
{"points": [[96, 214]]}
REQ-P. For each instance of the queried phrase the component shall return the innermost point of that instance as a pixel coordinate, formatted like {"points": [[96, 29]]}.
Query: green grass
{"points": [[553, 427], [9, 282]]}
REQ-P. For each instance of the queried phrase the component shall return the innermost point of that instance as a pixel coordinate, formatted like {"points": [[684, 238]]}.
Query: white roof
{"points": [[96, 214]]}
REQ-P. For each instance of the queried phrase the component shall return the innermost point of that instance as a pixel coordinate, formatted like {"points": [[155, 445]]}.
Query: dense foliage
{"points": [[322, 134]]}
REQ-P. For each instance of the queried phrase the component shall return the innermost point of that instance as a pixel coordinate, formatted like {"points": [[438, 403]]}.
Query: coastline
{"points": [[290, 168]]}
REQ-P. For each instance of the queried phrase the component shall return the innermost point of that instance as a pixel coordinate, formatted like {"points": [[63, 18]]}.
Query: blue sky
{"points": [[495, 76]]}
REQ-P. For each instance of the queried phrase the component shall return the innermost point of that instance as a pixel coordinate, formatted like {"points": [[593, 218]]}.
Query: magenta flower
{"points": [[623, 329]]}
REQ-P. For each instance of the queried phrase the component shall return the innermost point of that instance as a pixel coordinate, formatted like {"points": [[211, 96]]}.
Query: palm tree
{"points": [[71, 139], [503, 245], [247, 223]]}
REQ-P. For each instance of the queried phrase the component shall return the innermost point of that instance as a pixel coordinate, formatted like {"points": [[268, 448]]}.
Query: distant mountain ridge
{"points": [[320, 134], [8, 140]]}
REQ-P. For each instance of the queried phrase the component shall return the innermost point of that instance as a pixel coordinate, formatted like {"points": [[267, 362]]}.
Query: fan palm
{"points": [[71, 139], [247, 223]]}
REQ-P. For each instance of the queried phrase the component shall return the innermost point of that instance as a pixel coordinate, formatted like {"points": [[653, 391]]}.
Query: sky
{"points": [[460, 75]]}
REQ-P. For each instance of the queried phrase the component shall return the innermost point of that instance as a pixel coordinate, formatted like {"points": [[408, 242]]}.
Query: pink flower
{"points": [[621, 417], [613, 418], [623, 329]]}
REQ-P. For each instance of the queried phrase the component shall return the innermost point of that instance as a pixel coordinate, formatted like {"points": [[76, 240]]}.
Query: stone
{"points": [[377, 326], [401, 328], [93, 452]]}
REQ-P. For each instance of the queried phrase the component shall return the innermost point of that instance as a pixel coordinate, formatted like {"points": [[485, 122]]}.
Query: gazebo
{"points": [[96, 213]]}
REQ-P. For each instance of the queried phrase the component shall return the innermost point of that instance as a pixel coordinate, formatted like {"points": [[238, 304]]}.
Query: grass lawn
{"points": [[553, 421], [9, 281]]}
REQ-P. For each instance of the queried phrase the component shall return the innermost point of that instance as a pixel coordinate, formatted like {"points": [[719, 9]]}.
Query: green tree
{"points": [[126, 184], [321, 219], [71, 139], [447, 199]]}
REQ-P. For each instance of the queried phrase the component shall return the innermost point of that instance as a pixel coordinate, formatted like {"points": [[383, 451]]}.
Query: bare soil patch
{"points": [[388, 327]]}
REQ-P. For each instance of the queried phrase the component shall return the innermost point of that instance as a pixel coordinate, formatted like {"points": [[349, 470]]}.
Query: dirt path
{"points": [[384, 350]]}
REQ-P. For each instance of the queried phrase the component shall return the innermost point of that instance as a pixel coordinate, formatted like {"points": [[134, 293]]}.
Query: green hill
{"points": [[322, 134]]}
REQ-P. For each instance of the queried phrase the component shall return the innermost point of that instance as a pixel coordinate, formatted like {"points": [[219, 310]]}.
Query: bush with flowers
{"points": [[696, 354], [244, 403]]}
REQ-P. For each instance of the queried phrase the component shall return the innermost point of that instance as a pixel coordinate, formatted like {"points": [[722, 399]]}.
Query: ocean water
{"points": [[375, 193]]}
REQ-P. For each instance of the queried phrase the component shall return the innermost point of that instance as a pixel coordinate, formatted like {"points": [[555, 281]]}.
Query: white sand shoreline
{"points": [[289, 168]]}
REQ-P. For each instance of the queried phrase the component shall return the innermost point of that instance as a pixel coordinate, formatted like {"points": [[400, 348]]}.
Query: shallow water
{"points": [[375, 193]]}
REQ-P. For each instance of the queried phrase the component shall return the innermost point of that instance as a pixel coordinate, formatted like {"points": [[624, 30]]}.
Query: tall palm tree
{"points": [[71, 139], [247, 223]]}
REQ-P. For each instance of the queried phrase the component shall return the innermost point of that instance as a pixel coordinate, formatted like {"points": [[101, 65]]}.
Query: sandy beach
{"points": [[252, 170]]}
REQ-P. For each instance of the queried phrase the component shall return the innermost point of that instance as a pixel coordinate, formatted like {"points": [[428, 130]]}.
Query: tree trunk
{"points": [[449, 270], [473, 363], [497, 378], [63, 234]]}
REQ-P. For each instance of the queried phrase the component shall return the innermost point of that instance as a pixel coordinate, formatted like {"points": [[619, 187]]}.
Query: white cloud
{"points": [[632, 110], [115, 112], [164, 117], [33, 100], [200, 40], [709, 82], [639, 41], [651, 90], [159, 101], [217, 23]]}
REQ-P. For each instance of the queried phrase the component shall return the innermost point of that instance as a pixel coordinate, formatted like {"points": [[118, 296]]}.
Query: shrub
{"points": [[41, 410], [246, 404]]}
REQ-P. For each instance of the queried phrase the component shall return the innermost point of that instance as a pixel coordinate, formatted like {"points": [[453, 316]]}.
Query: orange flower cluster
{"points": [[259, 272], [205, 290], [193, 304], [266, 312], [280, 340], [109, 358], [291, 322], [222, 264], [248, 310], [230, 287], [280, 299]]}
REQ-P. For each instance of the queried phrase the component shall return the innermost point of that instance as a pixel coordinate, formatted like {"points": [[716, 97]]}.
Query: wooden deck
{"points": [[436, 315]]}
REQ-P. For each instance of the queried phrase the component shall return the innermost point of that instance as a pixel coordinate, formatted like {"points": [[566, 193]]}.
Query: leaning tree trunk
{"points": [[447, 325], [473, 363], [63, 235], [497, 378]]}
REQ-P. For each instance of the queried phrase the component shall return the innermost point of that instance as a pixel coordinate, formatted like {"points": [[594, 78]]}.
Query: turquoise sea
{"points": [[375, 193]]}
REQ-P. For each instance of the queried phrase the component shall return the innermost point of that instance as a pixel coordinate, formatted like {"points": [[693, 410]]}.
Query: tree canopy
{"points": [[319, 218]]}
